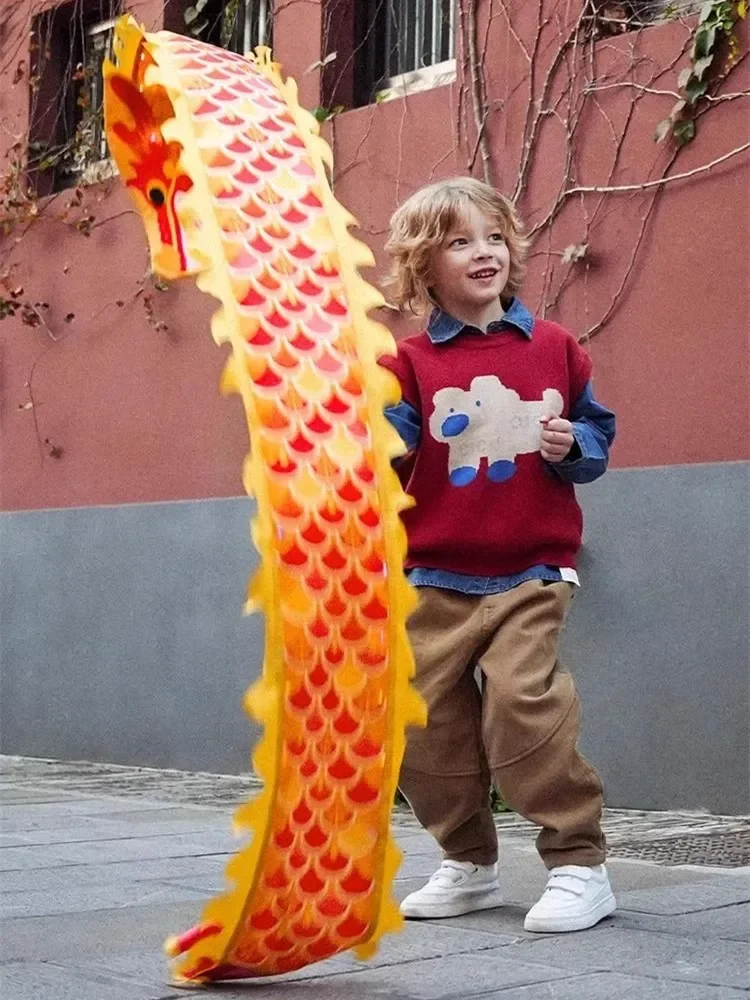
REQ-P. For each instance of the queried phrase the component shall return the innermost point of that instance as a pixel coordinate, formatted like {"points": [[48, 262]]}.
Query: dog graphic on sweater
{"points": [[489, 421]]}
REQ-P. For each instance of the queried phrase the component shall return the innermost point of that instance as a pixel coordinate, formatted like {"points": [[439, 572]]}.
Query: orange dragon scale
{"points": [[229, 175]]}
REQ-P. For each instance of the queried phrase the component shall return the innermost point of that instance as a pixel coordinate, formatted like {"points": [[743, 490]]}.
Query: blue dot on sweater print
{"points": [[463, 476]]}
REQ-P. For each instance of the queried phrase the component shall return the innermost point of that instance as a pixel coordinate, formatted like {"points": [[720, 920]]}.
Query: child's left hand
{"points": [[557, 439]]}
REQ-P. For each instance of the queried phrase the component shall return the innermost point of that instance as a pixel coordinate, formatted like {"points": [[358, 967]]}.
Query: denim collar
{"points": [[442, 327]]}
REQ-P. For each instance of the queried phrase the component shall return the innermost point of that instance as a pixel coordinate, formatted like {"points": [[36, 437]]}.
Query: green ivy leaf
{"points": [[701, 65], [705, 37], [191, 13], [695, 90], [322, 114], [706, 11], [684, 131], [684, 78]]}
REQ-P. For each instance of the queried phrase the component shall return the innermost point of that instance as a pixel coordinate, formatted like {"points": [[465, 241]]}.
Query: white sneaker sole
{"points": [[579, 922], [437, 909]]}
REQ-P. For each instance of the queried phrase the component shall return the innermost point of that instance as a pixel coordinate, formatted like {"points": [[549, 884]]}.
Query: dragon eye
{"points": [[156, 197]]}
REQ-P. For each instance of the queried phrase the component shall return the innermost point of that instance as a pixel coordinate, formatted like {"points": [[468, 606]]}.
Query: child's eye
{"points": [[458, 242], [497, 238]]}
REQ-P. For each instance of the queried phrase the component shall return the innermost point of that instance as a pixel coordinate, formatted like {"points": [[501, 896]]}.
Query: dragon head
{"points": [[149, 163]]}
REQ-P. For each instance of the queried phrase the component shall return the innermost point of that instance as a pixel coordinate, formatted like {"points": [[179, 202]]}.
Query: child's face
{"points": [[470, 268]]}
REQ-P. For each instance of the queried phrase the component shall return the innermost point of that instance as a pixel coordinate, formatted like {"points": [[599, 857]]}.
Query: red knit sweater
{"points": [[487, 503]]}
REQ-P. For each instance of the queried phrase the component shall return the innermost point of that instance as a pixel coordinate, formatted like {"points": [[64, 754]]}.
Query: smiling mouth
{"points": [[486, 272]]}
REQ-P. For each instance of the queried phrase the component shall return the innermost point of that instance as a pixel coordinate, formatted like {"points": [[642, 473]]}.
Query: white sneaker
{"points": [[456, 887], [575, 898]]}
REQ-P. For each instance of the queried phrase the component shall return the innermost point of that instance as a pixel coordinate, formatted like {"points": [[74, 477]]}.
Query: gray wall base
{"points": [[122, 638], [659, 640]]}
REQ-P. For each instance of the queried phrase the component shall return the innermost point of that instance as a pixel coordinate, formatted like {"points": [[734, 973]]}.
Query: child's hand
{"points": [[557, 439]]}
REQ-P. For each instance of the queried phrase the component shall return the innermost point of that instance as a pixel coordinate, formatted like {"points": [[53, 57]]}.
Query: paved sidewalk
{"points": [[98, 864]]}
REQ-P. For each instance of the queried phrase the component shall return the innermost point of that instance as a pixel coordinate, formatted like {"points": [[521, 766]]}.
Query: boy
{"points": [[500, 419]]}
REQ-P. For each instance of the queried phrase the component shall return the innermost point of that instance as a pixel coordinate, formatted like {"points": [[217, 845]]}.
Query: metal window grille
{"points": [[418, 33], [250, 23], [394, 37], [97, 48]]}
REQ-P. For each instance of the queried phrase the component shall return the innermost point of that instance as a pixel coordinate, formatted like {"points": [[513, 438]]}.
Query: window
{"points": [[397, 40], [67, 144], [238, 25]]}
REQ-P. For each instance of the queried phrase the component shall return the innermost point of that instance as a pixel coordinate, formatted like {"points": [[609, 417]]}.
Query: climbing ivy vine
{"points": [[714, 33]]}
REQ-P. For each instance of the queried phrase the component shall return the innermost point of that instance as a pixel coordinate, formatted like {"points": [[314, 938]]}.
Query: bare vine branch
{"points": [[478, 88], [659, 181]]}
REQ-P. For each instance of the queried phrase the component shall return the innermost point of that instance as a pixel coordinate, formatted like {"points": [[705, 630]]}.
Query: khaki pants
{"points": [[520, 731]]}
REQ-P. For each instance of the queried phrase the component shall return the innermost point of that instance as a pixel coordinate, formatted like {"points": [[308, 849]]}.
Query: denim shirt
{"points": [[593, 431]]}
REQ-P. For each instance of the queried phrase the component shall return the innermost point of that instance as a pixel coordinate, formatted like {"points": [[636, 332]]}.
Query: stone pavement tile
{"points": [[416, 943], [31, 796], [297, 988], [609, 986], [151, 968], [690, 897], [76, 804], [730, 922], [420, 940], [505, 921], [28, 858], [65, 937], [207, 866], [209, 883], [454, 977], [451, 978], [40, 981], [77, 899], [627, 876], [97, 829], [169, 813], [126, 849], [15, 817], [609, 948]]}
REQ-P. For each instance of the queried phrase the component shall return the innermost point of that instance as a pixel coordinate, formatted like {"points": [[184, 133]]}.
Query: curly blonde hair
{"points": [[421, 224]]}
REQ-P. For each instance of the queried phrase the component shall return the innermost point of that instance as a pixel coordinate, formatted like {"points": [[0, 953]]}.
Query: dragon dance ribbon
{"points": [[229, 176]]}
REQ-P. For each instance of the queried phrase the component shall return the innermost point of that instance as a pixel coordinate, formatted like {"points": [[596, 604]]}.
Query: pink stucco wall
{"points": [[135, 411]]}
